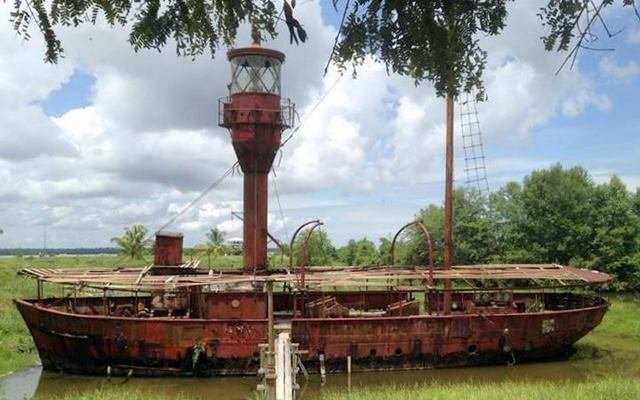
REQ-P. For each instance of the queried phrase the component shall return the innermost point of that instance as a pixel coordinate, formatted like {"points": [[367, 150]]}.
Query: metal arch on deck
{"points": [[293, 239], [426, 233]]}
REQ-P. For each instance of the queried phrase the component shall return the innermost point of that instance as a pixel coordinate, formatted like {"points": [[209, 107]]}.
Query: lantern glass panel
{"points": [[255, 73]]}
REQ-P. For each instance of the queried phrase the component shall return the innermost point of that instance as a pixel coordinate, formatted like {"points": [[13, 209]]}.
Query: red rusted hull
{"points": [[94, 344]]}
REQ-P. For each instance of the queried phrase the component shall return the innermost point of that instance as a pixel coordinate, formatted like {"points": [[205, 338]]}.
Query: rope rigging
{"points": [[311, 111], [200, 196], [275, 187]]}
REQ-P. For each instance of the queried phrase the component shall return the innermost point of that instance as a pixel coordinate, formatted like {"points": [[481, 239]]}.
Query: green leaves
{"points": [[320, 251], [196, 26], [133, 243], [434, 40], [362, 252], [427, 40]]}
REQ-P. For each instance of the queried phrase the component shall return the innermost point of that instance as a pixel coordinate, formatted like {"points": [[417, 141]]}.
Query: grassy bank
{"points": [[120, 393], [601, 389], [17, 351]]}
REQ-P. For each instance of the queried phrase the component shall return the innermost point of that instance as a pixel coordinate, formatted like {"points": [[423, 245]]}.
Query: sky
{"points": [[109, 138]]}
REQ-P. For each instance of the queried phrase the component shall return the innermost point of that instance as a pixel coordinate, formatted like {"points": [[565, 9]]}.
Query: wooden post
{"points": [[323, 371], [448, 205], [349, 373], [285, 387]]}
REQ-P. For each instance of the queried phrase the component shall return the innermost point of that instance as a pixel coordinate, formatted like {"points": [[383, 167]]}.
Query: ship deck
{"points": [[398, 277]]}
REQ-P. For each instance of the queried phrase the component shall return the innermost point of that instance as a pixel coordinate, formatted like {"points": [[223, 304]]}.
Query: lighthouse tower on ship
{"points": [[256, 116]]}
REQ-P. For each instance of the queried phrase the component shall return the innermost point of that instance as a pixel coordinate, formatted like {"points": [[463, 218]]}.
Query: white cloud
{"points": [[624, 73], [634, 35], [149, 142]]}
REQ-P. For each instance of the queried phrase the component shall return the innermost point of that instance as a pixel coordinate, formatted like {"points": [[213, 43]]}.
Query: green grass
{"points": [[617, 388], [602, 389], [119, 393]]}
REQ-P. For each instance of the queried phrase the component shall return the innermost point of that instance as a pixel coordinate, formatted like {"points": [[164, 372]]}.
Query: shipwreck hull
{"points": [[101, 344]]}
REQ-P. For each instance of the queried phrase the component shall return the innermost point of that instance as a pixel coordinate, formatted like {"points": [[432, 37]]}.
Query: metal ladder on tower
{"points": [[474, 159]]}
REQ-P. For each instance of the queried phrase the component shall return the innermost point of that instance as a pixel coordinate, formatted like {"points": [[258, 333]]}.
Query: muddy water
{"points": [[38, 384]]}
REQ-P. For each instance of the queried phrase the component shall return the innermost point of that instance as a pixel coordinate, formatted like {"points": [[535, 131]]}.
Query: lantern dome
{"points": [[255, 70]]}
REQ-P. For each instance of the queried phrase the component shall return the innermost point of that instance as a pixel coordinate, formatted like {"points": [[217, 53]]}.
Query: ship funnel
{"points": [[168, 248]]}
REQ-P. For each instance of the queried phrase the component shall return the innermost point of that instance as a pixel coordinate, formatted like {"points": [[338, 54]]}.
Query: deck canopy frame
{"points": [[405, 278]]}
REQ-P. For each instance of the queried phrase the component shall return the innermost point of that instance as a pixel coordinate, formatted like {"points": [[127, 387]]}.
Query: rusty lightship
{"points": [[175, 318]]}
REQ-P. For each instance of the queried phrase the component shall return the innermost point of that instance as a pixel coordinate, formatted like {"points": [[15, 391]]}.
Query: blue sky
{"points": [[109, 138]]}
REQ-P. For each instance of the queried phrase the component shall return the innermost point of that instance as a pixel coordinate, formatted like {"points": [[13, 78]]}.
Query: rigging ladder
{"points": [[474, 158]]}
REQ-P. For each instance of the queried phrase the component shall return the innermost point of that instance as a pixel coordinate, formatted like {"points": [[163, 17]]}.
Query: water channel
{"points": [[36, 384]]}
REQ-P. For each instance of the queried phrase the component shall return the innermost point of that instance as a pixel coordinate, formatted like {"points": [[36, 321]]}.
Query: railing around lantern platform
{"points": [[228, 115]]}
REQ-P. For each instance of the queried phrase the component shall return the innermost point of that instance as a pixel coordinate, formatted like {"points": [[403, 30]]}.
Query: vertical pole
{"points": [[448, 204], [349, 373], [105, 307], [255, 222], [323, 370], [271, 367]]}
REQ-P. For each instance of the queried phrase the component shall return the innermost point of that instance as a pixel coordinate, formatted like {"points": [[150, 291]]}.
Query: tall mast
{"points": [[448, 203]]}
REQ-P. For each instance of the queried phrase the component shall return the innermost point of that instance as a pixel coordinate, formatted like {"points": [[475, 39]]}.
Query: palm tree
{"points": [[133, 243], [214, 245]]}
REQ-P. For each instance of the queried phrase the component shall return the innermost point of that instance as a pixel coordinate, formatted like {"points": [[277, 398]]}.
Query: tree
{"points": [[616, 229], [347, 254], [636, 202], [384, 249], [417, 252], [1, 231], [557, 211], [320, 251], [361, 252], [195, 26], [474, 230], [134, 242], [214, 245], [508, 212], [426, 40], [432, 40]]}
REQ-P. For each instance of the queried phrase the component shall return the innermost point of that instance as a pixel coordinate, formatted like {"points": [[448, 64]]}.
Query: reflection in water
{"points": [[37, 384], [20, 385]]}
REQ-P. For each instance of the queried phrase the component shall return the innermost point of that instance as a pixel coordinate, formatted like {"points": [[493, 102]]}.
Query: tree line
{"points": [[555, 215]]}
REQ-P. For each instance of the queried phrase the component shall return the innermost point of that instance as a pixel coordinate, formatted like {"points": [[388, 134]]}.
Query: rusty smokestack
{"points": [[168, 248]]}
